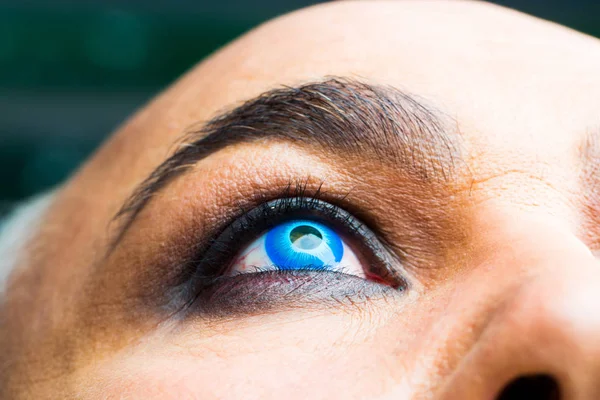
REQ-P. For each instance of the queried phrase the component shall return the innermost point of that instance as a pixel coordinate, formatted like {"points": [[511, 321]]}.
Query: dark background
{"points": [[71, 71]]}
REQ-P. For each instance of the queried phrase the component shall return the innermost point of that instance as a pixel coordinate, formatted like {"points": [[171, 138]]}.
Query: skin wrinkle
{"points": [[410, 130], [490, 184]]}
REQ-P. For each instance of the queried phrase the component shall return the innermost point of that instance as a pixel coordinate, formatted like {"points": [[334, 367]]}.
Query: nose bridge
{"points": [[547, 324]]}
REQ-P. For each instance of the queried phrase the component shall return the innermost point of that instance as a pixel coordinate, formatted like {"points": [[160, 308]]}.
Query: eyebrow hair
{"points": [[338, 114]]}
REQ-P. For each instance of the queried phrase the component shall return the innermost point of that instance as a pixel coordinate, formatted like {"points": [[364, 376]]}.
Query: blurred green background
{"points": [[71, 71]]}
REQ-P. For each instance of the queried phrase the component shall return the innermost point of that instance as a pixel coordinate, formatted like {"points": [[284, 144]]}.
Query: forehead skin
{"points": [[523, 92]]}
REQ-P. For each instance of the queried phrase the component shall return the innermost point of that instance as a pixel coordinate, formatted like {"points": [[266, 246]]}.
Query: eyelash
{"points": [[293, 203]]}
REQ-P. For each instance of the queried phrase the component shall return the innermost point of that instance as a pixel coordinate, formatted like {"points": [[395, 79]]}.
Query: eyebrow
{"points": [[340, 115]]}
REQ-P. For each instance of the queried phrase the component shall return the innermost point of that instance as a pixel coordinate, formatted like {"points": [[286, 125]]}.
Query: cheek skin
{"points": [[292, 358], [251, 376]]}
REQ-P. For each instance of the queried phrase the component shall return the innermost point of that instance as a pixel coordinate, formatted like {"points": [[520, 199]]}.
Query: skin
{"points": [[511, 288]]}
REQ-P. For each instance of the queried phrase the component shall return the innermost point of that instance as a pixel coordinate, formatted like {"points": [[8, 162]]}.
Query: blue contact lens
{"points": [[303, 244]]}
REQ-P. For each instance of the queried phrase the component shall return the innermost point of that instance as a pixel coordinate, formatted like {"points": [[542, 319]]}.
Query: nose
{"points": [[543, 342]]}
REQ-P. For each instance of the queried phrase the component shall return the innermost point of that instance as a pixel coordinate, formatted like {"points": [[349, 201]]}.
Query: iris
{"points": [[303, 244]]}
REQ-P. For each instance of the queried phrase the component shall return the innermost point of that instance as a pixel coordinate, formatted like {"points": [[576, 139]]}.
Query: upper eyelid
{"points": [[337, 113]]}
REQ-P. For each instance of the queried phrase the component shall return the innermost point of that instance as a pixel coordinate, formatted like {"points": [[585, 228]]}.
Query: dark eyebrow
{"points": [[340, 115]]}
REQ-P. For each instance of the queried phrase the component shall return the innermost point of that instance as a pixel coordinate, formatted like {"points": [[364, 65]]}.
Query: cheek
{"points": [[289, 375], [288, 362]]}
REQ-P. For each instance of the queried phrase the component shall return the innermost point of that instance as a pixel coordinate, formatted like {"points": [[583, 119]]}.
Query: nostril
{"points": [[538, 387]]}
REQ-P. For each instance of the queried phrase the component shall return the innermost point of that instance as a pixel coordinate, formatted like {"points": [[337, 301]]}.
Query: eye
{"points": [[297, 234], [299, 244], [286, 250]]}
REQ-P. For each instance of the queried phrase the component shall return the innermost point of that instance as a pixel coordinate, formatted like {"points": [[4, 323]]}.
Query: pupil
{"points": [[306, 237]]}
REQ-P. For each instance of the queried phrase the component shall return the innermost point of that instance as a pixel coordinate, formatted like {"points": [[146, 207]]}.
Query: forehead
{"points": [[508, 79]]}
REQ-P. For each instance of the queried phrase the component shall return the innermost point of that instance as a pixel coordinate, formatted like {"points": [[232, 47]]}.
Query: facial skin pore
{"points": [[498, 257]]}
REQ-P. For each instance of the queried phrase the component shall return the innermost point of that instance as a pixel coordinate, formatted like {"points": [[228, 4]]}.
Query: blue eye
{"points": [[300, 236], [303, 244], [299, 245]]}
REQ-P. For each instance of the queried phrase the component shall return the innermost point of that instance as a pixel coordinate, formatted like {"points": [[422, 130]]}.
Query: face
{"points": [[376, 200]]}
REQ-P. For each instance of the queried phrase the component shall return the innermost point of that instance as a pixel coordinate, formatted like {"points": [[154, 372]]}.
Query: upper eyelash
{"points": [[294, 198], [266, 215]]}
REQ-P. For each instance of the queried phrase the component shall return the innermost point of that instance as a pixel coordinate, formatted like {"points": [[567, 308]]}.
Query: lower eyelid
{"points": [[269, 291]]}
